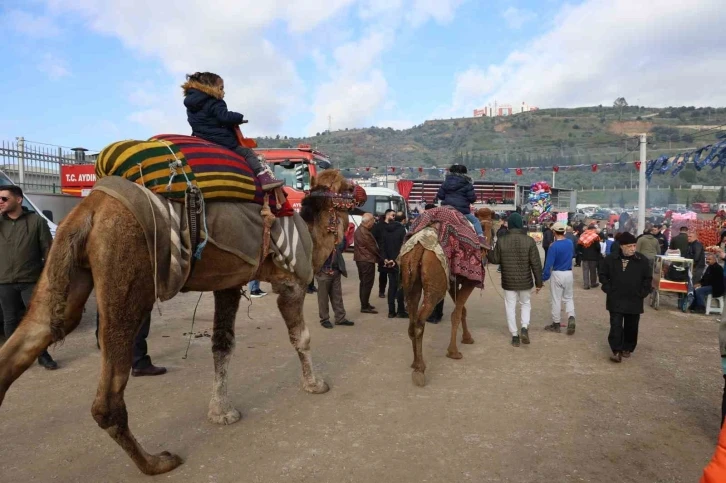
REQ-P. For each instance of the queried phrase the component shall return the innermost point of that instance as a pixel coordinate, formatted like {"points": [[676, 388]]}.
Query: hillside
{"points": [[546, 137]]}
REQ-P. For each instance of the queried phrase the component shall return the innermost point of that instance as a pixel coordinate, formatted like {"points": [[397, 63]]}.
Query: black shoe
{"points": [[326, 324], [595, 286], [570, 326], [616, 357], [431, 319], [255, 294], [626, 353], [48, 362], [524, 335], [345, 322], [312, 290], [369, 310], [152, 370], [402, 315], [391, 315], [381, 295], [553, 327], [515, 340]]}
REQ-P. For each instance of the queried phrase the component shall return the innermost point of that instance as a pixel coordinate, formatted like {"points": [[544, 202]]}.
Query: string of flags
{"points": [[715, 157]]}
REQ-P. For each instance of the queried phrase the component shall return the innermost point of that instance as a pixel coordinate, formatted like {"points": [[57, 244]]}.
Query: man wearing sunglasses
{"points": [[24, 244]]}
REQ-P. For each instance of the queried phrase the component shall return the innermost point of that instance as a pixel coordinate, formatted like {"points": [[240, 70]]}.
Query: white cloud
{"points": [[38, 26], [603, 49], [54, 67], [516, 17]]}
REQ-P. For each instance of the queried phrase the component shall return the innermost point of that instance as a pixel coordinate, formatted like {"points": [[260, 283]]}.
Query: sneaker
{"points": [[524, 334], [326, 324], [570, 325], [553, 327], [345, 322], [268, 180], [255, 294], [515, 340], [616, 357]]}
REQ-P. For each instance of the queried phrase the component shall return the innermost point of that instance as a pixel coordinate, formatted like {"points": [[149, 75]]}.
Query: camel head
{"points": [[325, 210]]}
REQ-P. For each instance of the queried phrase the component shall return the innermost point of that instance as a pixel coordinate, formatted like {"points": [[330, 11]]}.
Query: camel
{"points": [[422, 273], [91, 250]]}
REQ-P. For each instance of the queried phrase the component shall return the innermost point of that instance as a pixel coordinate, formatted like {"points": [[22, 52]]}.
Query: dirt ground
{"points": [[555, 411]]}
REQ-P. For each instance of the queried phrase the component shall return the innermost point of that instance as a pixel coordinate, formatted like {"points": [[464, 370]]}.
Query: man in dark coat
{"points": [[548, 237], [392, 235], [521, 265], [696, 253], [712, 284], [680, 242], [626, 279], [330, 288]]}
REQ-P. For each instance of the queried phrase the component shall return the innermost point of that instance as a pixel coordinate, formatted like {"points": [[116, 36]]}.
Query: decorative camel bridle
{"points": [[339, 202]]}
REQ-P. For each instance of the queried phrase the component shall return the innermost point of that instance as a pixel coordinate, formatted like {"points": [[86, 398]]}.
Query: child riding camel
{"points": [[457, 191], [209, 118]]}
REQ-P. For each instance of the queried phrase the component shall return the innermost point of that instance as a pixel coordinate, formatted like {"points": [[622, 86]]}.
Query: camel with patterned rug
{"points": [[442, 253], [117, 242]]}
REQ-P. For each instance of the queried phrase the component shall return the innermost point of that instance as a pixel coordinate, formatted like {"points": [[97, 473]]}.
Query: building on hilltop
{"points": [[503, 110]]}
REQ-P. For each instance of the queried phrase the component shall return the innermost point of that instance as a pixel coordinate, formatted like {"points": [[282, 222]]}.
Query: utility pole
{"points": [[21, 161], [330, 124], [553, 178], [641, 183]]}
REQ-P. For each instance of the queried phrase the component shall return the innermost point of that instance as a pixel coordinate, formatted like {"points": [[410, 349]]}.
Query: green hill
{"points": [[541, 138]]}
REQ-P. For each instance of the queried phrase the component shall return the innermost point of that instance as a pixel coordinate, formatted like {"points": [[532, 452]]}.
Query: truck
{"points": [[497, 195]]}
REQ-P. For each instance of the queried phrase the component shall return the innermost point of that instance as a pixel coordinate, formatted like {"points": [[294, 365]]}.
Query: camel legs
{"points": [[290, 302], [34, 333], [466, 338], [120, 317], [459, 293], [226, 303]]}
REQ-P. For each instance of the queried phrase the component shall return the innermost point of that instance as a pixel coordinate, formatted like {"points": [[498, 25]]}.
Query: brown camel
{"points": [[91, 250], [422, 272]]}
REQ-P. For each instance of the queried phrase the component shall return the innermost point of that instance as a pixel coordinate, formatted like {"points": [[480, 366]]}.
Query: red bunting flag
{"points": [[393, 169], [518, 171], [556, 169], [482, 172], [420, 169], [594, 168], [368, 168], [637, 165]]}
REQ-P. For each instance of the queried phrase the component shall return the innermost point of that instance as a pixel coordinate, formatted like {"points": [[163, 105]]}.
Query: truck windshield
{"points": [[297, 177]]}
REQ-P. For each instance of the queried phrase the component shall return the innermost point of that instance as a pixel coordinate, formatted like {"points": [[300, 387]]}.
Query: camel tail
{"points": [[65, 256]]}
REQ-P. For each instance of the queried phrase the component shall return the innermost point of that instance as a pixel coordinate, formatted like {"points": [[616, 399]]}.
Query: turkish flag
{"points": [[482, 172], [637, 165], [594, 168], [518, 171], [556, 169]]}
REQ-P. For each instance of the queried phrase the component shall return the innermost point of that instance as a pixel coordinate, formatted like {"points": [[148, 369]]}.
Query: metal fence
{"points": [[36, 167]]}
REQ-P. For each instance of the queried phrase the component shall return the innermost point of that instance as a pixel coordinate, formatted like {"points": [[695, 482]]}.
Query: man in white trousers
{"points": [[558, 268], [517, 255]]}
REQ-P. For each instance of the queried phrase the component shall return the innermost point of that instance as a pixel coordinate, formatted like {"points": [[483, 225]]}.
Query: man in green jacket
{"points": [[24, 244], [518, 257], [680, 242]]}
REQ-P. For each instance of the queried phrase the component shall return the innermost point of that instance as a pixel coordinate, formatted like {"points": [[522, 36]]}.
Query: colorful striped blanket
{"points": [[221, 174]]}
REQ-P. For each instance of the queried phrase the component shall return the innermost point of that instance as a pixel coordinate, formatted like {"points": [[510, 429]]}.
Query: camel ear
{"points": [[313, 182]]}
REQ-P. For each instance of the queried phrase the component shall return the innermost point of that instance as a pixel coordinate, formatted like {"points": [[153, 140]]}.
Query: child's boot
{"points": [[268, 180]]}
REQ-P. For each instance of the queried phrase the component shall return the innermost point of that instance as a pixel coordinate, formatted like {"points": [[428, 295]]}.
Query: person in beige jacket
{"points": [[649, 246]]}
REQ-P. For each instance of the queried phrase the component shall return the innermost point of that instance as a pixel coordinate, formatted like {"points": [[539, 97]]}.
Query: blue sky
{"points": [[89, 72]]}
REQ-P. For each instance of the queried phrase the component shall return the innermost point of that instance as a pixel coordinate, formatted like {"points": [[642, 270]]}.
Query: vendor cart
{"points": [[672, 274]]}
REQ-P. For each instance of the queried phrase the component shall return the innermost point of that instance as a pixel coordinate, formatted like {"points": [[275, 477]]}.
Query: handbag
{"points": [[677, 272]]}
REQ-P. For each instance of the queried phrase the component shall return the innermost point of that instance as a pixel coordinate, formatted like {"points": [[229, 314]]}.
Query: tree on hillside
{"points": [[672, 197], [699, 197], [722, 195], [620, 103]]}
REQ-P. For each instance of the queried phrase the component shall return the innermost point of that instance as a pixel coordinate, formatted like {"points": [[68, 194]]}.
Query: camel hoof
{"points": [[454, 355], [223, 417], [419, 378], [320, 387], [467, 341], [161, 463]]}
